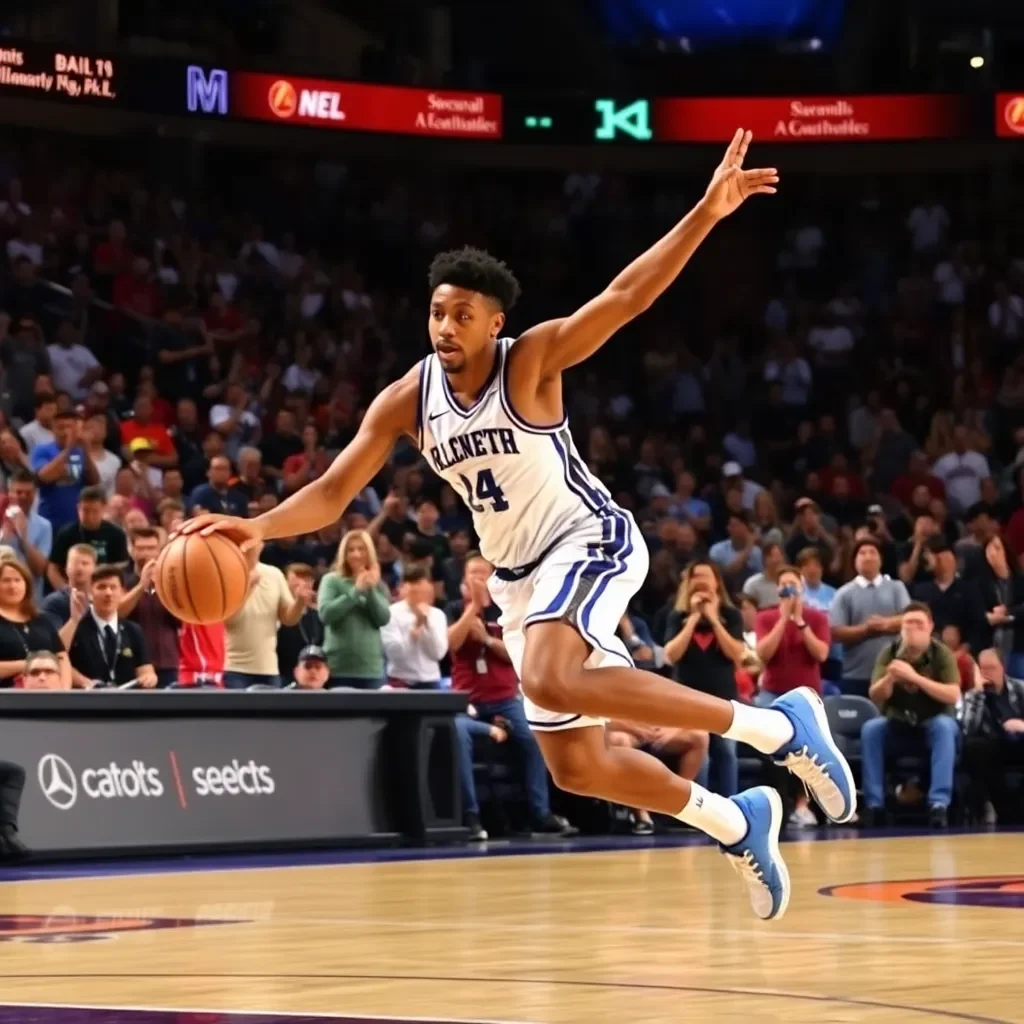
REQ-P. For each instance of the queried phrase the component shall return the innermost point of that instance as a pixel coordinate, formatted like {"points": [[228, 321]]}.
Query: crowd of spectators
{"points": [[822, 459]]}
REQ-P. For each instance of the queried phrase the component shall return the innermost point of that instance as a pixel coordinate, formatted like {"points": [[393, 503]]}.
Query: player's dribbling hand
{"points": [[731, 184], [244, 532]]}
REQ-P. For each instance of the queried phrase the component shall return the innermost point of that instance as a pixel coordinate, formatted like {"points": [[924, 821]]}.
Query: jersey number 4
{"points": [[487, 489]]}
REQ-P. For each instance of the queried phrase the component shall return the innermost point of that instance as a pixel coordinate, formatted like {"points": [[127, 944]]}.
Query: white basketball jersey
{"points": [[526, 486]]}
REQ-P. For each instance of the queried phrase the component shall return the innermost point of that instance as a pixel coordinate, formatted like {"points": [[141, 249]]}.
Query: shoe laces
{"points": [[748, 868], [807, 768]]}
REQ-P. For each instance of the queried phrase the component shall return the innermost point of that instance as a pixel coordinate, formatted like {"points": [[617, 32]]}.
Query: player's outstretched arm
{"points": [[392, 413], [558, 344]]}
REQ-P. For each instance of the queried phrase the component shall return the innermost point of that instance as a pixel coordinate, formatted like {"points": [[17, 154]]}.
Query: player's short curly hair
{"points": [[476, 271]]}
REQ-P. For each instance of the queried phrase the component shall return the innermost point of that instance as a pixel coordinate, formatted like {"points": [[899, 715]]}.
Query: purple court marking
{"points": [[81, 1015], [504, 848]]}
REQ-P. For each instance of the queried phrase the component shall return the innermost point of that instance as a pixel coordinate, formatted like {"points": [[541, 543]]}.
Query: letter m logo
{"points": [[207, 92]]}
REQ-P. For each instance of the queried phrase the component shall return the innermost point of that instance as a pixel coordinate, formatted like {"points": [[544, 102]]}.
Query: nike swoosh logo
{"points": [[436, 415]]}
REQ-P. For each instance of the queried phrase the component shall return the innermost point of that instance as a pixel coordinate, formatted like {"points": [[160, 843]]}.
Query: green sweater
{"points": [[352, 623]]}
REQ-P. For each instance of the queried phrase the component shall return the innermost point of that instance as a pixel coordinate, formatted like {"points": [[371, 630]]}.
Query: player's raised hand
{"points": [[731, 184]]}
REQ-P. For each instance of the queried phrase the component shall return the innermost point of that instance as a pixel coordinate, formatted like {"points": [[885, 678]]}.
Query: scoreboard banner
{"points": [[168, 86]]}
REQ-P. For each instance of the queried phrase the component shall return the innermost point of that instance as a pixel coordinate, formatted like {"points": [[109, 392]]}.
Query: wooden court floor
{"points": [[927, 928]]}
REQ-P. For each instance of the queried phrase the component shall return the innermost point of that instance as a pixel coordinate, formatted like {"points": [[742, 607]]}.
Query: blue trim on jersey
{"points": [[421, 402], [596, 507], [584, 480], [624, 548], [568, 586], [457, 407], [506, 401]]}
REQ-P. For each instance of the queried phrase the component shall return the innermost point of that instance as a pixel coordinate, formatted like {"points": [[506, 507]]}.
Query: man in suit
{"points": [[107, 650]]}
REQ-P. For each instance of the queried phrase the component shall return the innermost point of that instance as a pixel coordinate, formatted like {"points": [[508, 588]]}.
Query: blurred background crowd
{"points": [[820, 426]]}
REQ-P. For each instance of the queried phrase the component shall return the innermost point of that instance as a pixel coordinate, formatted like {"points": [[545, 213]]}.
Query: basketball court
{"points": [[906, 928]]}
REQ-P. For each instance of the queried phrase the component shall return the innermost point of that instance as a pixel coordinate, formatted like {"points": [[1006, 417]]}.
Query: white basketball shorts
{"points": [[587, 580]]}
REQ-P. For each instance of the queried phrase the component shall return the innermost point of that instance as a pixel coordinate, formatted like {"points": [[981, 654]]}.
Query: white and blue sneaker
{"points": [[813, 757], [756, 856]]}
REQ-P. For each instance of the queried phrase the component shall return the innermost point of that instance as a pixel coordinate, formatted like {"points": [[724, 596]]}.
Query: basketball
{"points": [[202, 579]]}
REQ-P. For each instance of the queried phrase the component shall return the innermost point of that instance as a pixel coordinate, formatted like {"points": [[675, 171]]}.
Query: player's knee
{"points": [[547, 684], [575, 775]]}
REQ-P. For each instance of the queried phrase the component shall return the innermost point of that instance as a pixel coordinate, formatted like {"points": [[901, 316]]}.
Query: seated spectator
{"points": [[865, 613], [45, 670], [686, 507], [738, 557], [310, 671], [236, 419], [26, 532], [63, 468], [481, 668], [684, 749], [415, 638], [106, 650], [141, 605], [916, 686], [792, 644], [23, 629], [965, 664], [1002, 597], [251, 633], [354, 606], [704, 644], [915, 566], [107, 540], [466, 727], [992, 718], [309, 630], [766, 519], [250, 480], [764, 586], [217, 495], [982, 525]]}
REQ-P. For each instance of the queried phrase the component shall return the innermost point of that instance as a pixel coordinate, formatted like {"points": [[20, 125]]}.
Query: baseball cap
{"points": [[732, 469], [659, 490], [141, 444], [311, 652]]}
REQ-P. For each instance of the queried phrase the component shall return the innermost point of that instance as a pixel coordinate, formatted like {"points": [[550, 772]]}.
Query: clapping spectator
{"points": [[415, 638], [309, 630], [354, 607], [808, 532], [704, 645], [63, 468], [311, 463]]}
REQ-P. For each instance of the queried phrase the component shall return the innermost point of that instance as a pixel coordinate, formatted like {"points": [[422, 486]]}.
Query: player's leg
{"points": [[747, 826], [794, 730]]}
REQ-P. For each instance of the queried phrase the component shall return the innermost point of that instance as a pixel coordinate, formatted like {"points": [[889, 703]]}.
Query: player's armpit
{"points": [[392, 413]]}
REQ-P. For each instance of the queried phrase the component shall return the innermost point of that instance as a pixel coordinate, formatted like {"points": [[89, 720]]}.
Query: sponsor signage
{"points": [[111, 783], [815, 119], [356, 106], [1010, 115]]}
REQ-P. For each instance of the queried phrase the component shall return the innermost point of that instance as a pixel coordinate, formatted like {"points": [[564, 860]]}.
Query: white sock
{"points": [[762, 728], [714, 815]]}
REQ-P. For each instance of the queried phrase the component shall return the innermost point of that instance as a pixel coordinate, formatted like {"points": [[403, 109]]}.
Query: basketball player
{"points": [[487, 413]]}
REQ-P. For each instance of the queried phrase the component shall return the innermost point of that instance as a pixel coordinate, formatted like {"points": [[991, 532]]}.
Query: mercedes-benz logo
{"points": [[57, 781]]}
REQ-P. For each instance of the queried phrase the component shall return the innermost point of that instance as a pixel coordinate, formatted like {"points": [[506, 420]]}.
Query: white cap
{"points": [[732, 469]]}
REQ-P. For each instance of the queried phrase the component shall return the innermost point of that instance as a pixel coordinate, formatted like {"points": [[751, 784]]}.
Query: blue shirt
{"points": [[39, 533], [723, 553], [692, 508], [231, 503], [58, 501], [821, 597]]}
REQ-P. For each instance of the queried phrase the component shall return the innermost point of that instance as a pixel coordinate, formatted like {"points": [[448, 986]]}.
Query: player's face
{"points": [[462, 324]]}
